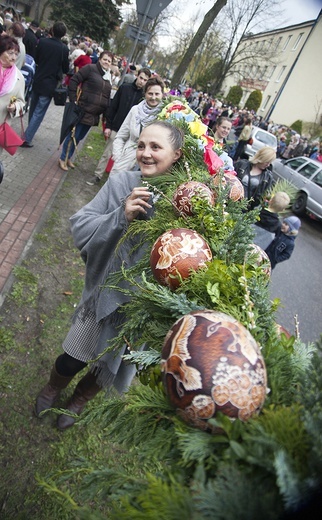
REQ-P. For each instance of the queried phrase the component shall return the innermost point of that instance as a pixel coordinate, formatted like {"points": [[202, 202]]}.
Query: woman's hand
{"points": [[137, 203], [107, 133], [11, 108]]}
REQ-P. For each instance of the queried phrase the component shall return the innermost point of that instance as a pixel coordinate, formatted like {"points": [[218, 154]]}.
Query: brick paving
{"points": [[32, 179]]}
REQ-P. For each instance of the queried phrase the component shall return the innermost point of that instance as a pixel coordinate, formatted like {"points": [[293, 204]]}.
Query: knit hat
{"points": [[294, 223]]}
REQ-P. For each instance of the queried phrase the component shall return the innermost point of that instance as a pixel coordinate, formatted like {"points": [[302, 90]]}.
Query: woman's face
{"points": [[155, 154], [153, 96], [8, 58], [223, 129], [106, 61], [263, 165]]}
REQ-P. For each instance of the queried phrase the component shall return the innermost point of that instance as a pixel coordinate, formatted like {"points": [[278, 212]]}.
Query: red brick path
{"points": [[21, 221]]}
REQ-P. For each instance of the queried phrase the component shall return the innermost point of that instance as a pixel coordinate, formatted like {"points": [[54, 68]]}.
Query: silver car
{"points": [[260, 138], [306, 175]]}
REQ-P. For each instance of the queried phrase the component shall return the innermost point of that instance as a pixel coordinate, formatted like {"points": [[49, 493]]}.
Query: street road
{"points": [[297, 282]]}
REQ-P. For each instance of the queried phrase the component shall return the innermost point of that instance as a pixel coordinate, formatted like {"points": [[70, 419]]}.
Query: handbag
{"points": [[60, 96], [9, 139], [250, 141]]}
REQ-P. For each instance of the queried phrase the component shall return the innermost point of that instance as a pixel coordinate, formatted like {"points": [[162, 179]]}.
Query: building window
{"points": [[264, 72], [278, 42], [272, 72], [297, 41], [287, 42], [281, 73], [267, 100]]}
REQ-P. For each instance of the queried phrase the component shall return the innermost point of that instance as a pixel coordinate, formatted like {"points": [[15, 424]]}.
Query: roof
{"points": [[309, 23]]}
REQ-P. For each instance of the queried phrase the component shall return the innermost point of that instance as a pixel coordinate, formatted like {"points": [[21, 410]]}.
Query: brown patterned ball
{"points": [[182, 197], [175, 253], [261, 258], [236, 191], [210, 363]]}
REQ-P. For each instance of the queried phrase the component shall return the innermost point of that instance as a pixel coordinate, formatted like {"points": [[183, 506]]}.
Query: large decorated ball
{"points": [[236, 189], [175, 253], [257, 256], [211, 363], [182, 197]]}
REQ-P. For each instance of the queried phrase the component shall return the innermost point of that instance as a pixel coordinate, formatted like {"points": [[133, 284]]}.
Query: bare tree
{"points": [[208, 20], [241, 19]]}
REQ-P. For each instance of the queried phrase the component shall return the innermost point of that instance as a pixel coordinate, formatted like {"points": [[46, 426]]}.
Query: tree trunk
{"points": [[37, 10], [196, 42]]}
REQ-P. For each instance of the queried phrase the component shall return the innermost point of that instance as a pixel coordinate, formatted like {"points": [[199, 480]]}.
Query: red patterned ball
{"points": [[184, 193], [212, 363], [176, 253], [261, 258], [236, 191]]}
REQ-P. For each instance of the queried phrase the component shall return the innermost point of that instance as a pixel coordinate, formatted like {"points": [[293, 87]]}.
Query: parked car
{"points": [[306, 175], [260, 139]]}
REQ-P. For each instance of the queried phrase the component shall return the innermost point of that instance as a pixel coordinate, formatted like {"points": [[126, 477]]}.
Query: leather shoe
{"points": [[63, 165], [70, 164], [93, 181], [25, 144]]}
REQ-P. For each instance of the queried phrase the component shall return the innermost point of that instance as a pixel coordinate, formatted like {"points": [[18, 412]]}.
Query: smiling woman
{"points": [[97, 229], [12, 83], [140, 116]]}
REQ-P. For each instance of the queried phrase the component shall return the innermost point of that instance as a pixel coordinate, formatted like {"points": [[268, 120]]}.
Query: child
{"points": [[269, 223], [282, 246]]}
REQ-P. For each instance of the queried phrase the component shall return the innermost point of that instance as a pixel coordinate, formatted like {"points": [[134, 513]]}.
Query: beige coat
{"points": [[18, 92]]}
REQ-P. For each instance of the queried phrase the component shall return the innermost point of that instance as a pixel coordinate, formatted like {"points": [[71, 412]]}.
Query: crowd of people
{"points": [[211, 110], [127, 99]]}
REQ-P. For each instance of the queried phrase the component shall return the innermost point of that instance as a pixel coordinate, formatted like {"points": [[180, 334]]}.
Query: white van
{"points": [[260, 138]]}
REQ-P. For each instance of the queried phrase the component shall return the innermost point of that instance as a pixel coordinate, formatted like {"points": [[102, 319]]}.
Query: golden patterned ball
{"points": [[210, 363], [175, 253]]}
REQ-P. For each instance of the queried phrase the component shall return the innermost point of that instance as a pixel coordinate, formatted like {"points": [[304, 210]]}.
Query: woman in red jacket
{"points": [[83, 59]]}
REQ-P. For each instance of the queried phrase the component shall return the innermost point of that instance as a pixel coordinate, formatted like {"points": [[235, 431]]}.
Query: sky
{"points": [[296, 11]]}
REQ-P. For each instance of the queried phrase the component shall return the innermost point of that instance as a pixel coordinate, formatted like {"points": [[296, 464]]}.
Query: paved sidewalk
{"points": [[32, 179]]}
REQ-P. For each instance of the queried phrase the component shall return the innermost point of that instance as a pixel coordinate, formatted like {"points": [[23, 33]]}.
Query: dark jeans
{"points": [[69, 144], [37, 112]]}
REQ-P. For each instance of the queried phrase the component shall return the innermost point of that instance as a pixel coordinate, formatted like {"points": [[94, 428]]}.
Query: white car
{"points": [[306, 175], [260, 139]]}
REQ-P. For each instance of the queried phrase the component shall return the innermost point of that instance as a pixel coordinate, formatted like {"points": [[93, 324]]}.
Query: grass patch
{"points": [[34, 320], [25, 288]]}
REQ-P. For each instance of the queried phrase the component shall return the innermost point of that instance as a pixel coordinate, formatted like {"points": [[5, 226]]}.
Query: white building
{"points": [[290, 79]]}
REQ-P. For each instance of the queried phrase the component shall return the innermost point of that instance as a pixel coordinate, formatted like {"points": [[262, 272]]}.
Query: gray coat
{"points": [[97, 229]]}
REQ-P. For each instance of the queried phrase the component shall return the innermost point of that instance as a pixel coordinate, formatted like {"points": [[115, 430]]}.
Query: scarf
{"points": [[107, 75], [8, 78], [146, 114]]}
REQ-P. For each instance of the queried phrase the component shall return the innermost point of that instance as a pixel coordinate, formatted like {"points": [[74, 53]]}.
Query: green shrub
{"points": [[254, 100], [234, 95], [297, 126]]}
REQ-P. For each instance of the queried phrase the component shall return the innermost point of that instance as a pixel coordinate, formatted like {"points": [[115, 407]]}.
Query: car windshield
{"points": [[268, 139]]}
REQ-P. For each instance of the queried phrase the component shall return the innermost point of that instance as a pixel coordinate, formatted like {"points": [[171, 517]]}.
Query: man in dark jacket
{"points": [[30, 39], [52, 61], [127, 95]]}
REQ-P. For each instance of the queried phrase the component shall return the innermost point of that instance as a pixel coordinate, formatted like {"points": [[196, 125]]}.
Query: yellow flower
{"points": [[198, 128]]}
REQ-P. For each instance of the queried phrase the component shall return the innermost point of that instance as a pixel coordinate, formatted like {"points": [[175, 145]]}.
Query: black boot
{"points": [[50, 393], [86, 390]]}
